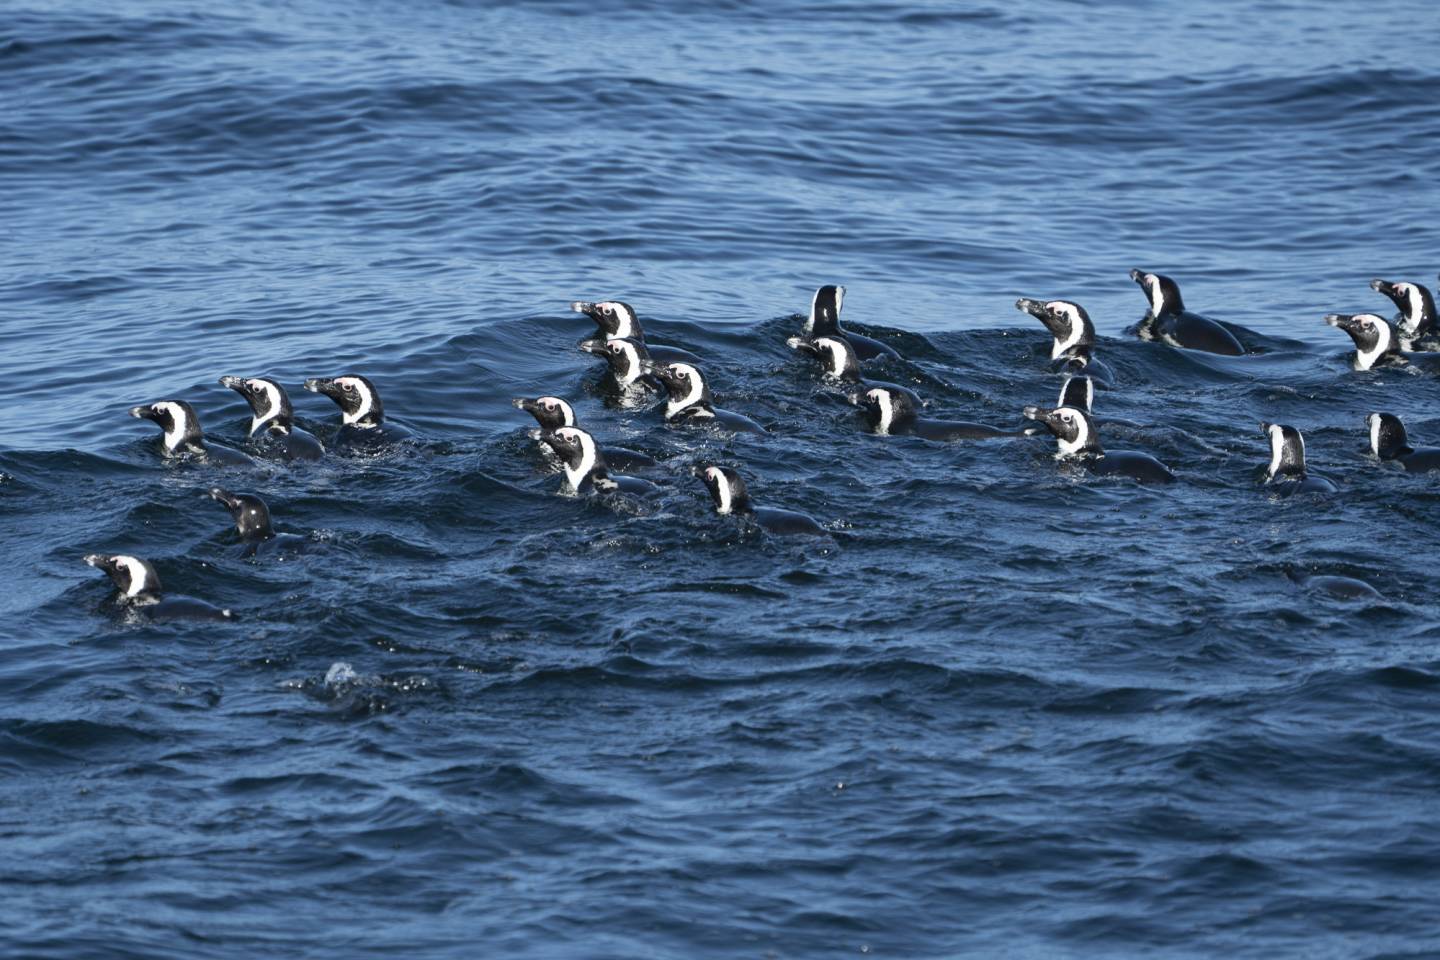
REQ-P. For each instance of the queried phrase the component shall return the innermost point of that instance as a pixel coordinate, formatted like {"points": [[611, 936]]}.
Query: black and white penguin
{"points": [[1388, 441], [842, 366], [824, 321], [252, 522], [1375, 340], [552, 413], [892, 414], [273, 418], [183, 436], [1167, 320], [139, 587], [1416, 323], [727, 488], [1077, 440], [1286, 473], [629, 363], [690, 400], [617, 320], [585, 466], [1073, 351], [362, 416]]}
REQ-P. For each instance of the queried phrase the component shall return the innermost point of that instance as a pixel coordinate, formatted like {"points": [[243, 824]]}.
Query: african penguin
{"points": [[585, 467], [690, 400], [1388, 441], [1077, 439], [552, 413], [824, 321], [1416, 323], [1286, 472], [727, 488], [252, 522], [892, 414], [1167, 320], [628, 362], [274, 419], [183, 436], [842, 366], [1073, 350], [139, 587], [1375, 340], [617, 320], [362, 416]]}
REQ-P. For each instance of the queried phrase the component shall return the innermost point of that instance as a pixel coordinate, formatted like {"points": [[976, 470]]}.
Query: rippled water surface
{"points": [[999, 709]]}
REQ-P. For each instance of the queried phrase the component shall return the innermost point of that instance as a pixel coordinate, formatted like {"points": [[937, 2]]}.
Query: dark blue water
{"points": [[1000, 710]]}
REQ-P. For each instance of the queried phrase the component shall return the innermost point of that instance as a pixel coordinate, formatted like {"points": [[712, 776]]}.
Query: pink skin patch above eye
{"points": [[714, 474]]}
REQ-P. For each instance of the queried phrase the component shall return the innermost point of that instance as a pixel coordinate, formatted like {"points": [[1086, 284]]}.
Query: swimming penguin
{"points": [[139, 586], [1073, 351], [617, 320], [1076, 437], [252, 522], [629, 362], [1375, 340], [824, 321], [273, 417], [585, 467], [1079, 392], [1416, 324], [842, 366], [690, 400], [183, 436], [1286, 472], [1341, 588], [1169, 322], [892, 414], [552, 413], [362, 417], [727, 487], [1388, 441]]}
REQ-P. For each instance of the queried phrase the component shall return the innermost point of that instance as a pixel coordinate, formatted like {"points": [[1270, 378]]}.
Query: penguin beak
{"points": [[521, 403], [583, 306], [1380, 286], [234, 383], [804, 346], [1042, 313], [99, 562], [1341, 321], [144, 412], [1138, 276], [594, 347], [698, 468], [225, 497], [1265, 426], [323, 385]]}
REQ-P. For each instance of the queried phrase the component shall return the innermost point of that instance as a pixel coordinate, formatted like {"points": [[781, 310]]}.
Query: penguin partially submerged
{"points": [[139, 587], [824, 321], [1287, 474], [842, 366], [362, 416], [183, 436], [617, 320], [891, 413], [1389, 442], [252, 522], [628, 364], [1416, 324], [1078, 441], [585, 466], [1375, 340], [1073, 350], [690, 401], [552, 413], [727, 489], [273, 418], [1167, 320]]}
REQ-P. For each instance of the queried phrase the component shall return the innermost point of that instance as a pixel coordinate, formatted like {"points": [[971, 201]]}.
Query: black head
{"points": [[356, 396], [177, 418], [686, 386], [889, 411], [578, 451], [1374, 338], [1388, 439], [628, 358], [1287, 451], [251, 516], [550, 412], [1072, 427], [615, 319], [136, 579], [726, 487], [1078, 392], [1067, 322], [1415, 303], [269, 404], [824, 319], [838, 356], [1164, 293]]}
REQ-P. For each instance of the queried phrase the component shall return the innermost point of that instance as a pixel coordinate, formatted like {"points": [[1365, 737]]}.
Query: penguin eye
{"points": [[608, 311]]}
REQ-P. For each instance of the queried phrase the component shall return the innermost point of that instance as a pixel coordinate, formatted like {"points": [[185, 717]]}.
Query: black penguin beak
{"points": [[234, 383], [323, 385], [521, 403], [595, 347], [144, 412], [1138, 276], [100, 562], [1035, 308], [583, 306], [698, 468], [224, 496], [1265, 426], [1380, 286], [804, 346], [1341, 321]]}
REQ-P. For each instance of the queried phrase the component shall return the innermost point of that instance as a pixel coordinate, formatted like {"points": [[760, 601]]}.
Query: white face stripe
{"points": [[367, 399], [723, 492], [1374, 421], [810, 320], [564, 407], [839, 301], [576, 475], [272, 394], [1077, 328], [1277, 448], [1365, 359], [697, 389], [887, 409], [179, 423], [837, 354], [1082, 436], [634, 371], [1157, 296], [623, 317], [139, 578]]}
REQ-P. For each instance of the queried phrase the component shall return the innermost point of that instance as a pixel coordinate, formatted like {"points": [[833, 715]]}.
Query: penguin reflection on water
{"points": [[252, 522], [362, 416], [891, 413], [1416, 324], [727, 489], [824, 321], [139, 587], [1389, 442], [183, 436], [552, 413], [617, 320], [1076, 437], [1167, 320], [690, 401], [1073, 350], [1286, 473], [274, 419], [585, 466], [842, 366]]}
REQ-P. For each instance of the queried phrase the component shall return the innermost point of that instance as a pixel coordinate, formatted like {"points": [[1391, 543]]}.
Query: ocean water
{"points": [[999, 710]]}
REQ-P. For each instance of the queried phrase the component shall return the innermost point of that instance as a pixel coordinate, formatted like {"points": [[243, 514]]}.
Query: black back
{"points": [[251, 515]]}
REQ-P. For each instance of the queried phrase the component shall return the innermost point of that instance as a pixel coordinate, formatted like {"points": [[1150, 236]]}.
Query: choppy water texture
{"points": [[999, 711]]}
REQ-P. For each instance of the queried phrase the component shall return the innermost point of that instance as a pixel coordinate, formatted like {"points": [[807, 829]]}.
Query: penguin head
{"points": [[1387, 436], [1374, 337], [1414, 301], [838, 356], [269, 405], [1287, 451], [627, 357], [550, 412], [1072, 427], [1077, 392], [686, 386], [136, 579], [824, 319], [889, 411], [177, 418], [356, 396], [1163, 292], [580, 455], [252, 517], [1067, 322], [615, 319], [726, 487]]}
